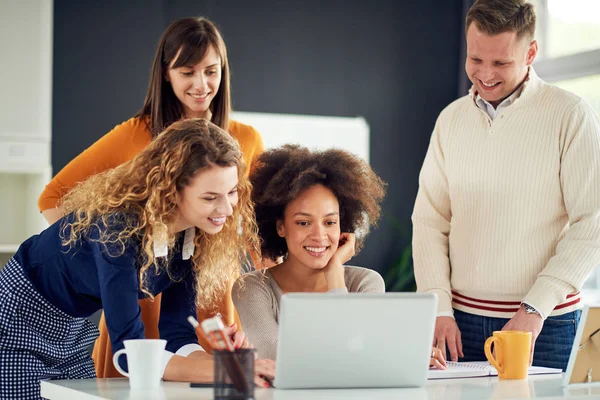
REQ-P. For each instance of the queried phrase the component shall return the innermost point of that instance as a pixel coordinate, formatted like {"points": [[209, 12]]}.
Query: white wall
{"points": [[315, 132]]}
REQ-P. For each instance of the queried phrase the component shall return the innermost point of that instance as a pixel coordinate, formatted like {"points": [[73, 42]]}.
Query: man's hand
{"points": [[522, 321], [447, 333]]}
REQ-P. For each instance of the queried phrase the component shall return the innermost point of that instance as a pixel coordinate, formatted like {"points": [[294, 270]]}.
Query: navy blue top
{"points": [[85, 278]]}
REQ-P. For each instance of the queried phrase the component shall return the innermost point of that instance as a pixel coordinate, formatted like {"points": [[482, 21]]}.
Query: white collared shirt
{"points": [[490, 110]]}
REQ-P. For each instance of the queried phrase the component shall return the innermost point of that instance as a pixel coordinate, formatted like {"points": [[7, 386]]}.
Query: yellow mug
{"points": [[512, 350]]}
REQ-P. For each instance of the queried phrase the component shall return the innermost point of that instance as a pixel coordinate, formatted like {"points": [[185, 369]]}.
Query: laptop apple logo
{"points": [[356, 343]]}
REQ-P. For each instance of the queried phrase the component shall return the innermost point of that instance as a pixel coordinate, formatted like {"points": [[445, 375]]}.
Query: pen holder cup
{"points": [[234, 374]]}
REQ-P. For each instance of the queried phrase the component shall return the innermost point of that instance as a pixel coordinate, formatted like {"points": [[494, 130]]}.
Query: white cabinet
{"points": [[25, 117]]}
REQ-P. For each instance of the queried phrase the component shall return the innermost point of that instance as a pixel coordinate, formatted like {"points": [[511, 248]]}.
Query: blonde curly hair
{"points": [[139, 197]]}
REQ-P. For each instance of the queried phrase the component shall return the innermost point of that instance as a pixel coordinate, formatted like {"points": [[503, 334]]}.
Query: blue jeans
{"points": [[552, 347]]}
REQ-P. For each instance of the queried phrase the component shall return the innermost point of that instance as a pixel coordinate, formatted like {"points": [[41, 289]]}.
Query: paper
{"points": [[478, 368]]}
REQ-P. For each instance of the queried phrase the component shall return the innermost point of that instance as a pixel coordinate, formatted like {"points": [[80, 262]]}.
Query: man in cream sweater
{"points": [[507, 217]]}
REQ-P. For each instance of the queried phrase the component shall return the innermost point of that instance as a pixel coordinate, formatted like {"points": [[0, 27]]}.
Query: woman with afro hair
{"points": [[313, 208]]}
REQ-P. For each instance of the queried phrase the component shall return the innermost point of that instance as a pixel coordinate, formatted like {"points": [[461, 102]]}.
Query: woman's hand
{"points": [[334, 270], [437, 359], [345, 250], [264, 371], [238, 338]]}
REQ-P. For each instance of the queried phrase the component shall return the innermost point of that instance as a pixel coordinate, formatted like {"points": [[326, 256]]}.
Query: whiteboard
{"points": [[312, 131]]}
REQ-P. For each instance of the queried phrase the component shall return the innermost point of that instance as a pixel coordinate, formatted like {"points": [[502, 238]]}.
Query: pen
{"points": [[268, 380], [196, 327]]}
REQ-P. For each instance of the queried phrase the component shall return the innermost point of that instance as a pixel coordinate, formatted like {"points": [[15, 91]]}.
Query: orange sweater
{"points": [[116, 147]]}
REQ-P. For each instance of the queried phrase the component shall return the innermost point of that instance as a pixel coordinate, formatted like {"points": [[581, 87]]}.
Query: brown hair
{"points": [[281, 174], [137, 201], [498, 16], [194, 36]]}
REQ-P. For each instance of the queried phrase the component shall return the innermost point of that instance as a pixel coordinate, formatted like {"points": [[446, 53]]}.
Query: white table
{"points": [[538, 387]]}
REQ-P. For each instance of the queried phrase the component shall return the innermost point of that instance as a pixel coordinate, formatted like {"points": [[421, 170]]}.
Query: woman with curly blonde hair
{"points": [[176, 219], [189, 78]]}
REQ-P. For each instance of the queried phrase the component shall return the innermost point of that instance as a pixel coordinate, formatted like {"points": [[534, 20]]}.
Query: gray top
{"points": [[257, 301]]}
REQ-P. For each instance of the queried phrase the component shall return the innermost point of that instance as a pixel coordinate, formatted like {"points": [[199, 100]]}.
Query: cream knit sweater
{"points": [[509, 210]]}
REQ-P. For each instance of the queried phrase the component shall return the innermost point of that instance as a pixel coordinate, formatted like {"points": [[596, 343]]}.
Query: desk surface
{"points": [[538, 387]]}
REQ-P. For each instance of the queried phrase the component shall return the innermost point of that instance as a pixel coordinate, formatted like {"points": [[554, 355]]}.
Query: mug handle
{"points": [[488, 353], [116, 362]]}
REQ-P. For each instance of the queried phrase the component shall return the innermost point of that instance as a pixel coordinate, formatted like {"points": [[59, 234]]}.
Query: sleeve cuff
{"points": [[183, 351], [188, 349], [446, 314], [546, 293], [167, 355]]}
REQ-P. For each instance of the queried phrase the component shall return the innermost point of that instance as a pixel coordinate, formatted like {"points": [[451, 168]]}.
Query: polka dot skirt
{"points": [[37, 340]]}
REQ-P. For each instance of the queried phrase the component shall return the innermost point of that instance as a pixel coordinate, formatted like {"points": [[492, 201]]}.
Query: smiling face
{"points": [[497, 65], [196, 85], [208, 199], [311, 227]]}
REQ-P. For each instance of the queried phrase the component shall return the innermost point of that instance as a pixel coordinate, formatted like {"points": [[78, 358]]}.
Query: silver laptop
{"points": [[354, 340]]}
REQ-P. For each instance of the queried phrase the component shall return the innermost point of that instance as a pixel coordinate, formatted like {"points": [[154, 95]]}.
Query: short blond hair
{"points": [[498, 16]]}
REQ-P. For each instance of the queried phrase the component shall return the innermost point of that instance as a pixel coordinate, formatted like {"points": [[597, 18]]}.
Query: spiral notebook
{"points": [[478, 368]]}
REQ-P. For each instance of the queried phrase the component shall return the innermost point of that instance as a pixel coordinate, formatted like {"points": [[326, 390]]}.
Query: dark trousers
{"points": [[552, 347]]}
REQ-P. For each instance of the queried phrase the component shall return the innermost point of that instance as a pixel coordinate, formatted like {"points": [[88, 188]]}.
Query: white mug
{"points": [[145, 361]]}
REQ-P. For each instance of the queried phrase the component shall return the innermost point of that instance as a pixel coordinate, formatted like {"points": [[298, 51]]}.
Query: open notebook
{"points": [[478, 368]]}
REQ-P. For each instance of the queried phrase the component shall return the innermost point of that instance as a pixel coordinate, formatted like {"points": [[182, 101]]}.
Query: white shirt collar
{"points": [[489, 109]]}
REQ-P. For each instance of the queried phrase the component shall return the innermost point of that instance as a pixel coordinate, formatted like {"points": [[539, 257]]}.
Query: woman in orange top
{"points": [[189, 79]]}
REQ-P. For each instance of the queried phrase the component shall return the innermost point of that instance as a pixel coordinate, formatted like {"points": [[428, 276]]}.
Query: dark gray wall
{"points": [[394, 62]]}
